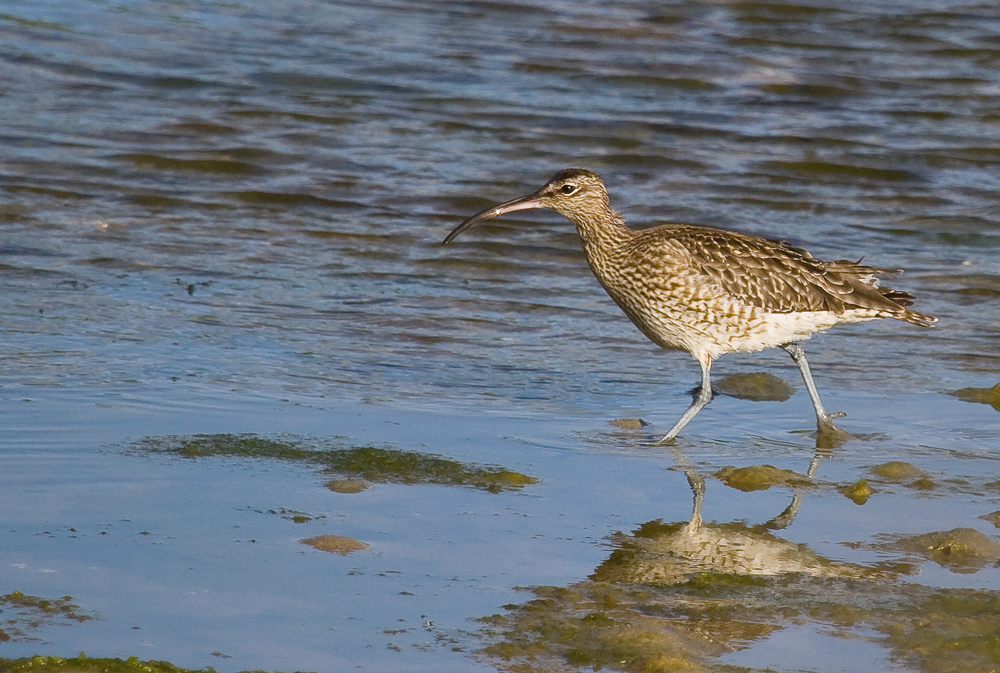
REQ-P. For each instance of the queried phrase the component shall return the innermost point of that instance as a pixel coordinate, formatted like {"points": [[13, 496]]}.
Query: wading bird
{"points": [[712, 292]]}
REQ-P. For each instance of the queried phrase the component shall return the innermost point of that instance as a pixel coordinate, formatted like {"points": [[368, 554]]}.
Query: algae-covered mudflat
{"points": [[255, 417], [583, 548]]}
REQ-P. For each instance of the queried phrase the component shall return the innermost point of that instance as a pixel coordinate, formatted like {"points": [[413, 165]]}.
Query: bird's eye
{"points": [[568, 189]]}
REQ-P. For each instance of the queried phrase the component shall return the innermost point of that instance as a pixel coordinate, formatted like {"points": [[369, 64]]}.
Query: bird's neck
{"points": [[601, 231]]}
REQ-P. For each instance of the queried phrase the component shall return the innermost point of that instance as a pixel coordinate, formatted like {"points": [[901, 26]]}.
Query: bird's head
{"points": [[572, 192]]}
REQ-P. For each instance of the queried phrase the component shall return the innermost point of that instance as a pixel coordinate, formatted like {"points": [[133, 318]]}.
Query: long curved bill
{"points": [[533, 200]]}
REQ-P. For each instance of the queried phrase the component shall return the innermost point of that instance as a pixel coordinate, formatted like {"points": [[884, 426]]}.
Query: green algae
{"points": [[676, 596], [33, 612], [880, 478], [950, 631], [573, 629], [758, 477], [85, 664], [923, 484], [368, 463], [961, 550], [897, 470], [638, 627], [858, 492], [756, 386], [294, 515], [990, 396]]}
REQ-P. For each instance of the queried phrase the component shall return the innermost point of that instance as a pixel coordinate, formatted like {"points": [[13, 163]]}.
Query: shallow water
{"points": [[226, 218]]}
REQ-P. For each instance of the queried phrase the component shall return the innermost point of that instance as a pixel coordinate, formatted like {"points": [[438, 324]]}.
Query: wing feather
{"points": [[781, 278]]}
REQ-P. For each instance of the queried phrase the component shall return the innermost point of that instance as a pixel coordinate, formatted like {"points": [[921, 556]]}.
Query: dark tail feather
{"points": [[905, 299], [897, 296]]}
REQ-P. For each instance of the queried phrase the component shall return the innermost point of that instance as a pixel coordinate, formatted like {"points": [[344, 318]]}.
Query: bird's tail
{"points": [[870, 274], [904, 299]]}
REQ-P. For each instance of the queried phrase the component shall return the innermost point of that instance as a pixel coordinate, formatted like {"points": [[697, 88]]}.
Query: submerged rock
{"points": [[629, 423], [758, 477], [336, 544], [348, 485], [758, 386], [922, 484]]}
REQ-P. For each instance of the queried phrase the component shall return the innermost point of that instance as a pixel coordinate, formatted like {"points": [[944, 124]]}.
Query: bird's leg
{"points": [[697, 484], [824, 421], [703, 397], [785, 519]]}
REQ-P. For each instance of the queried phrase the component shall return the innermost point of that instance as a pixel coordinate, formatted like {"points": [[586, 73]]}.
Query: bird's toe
{"points": [[828, 435]]}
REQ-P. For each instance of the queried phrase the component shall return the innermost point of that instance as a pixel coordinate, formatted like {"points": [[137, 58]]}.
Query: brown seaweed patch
{"points": [[806, 90], [993, 518], [758, 477], [648, 82], [756, 386], [369, 463], [829, 171], [288, 199], [211, 166], [336, 544], [990, 396], [160, 201]]}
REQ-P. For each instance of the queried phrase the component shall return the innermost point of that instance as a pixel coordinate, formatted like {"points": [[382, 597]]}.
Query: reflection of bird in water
{"points": [[671, 552], [712, 292]]}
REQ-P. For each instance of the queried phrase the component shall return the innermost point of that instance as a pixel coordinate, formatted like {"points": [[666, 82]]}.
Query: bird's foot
{"points": [[828, 435], [668, 440]]}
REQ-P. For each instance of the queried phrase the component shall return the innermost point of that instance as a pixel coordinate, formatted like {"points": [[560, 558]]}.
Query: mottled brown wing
{"points": [[778, 277]]}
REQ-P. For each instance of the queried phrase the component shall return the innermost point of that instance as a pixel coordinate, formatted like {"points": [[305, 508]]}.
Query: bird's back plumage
{"points": [[776, 277]]}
